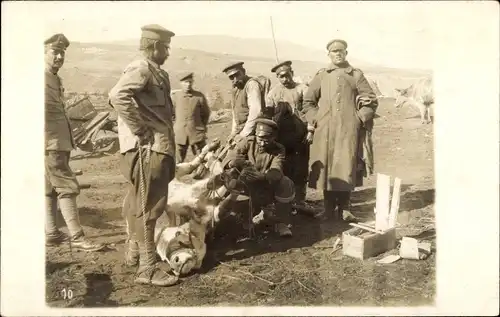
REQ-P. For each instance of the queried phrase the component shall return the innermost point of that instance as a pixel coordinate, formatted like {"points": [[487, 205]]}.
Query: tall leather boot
{"points": [[69, 211], [150, 271], [344, 203], [330, 200], [300, 204], [53, 236]]}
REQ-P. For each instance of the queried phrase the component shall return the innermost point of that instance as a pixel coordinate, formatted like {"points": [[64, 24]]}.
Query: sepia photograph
{"points": [[239, 154]]}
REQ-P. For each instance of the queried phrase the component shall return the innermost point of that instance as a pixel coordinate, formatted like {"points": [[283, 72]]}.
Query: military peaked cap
{"points": [[186, 75], [233, 68], [156, 32], [265, 127], [57, 41], [284, 66], [336, 44]]}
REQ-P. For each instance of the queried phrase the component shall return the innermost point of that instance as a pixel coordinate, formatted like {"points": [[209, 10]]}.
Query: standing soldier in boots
{"points": [[284, 105], [141, 98], [191, 113], [60, 181], [340, 106]]}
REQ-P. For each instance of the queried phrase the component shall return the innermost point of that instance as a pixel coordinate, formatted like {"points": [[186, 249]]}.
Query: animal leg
{"points": [[429, 120], [422, 109]]}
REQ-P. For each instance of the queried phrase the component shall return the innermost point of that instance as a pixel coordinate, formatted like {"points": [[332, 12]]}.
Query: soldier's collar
{"points": [[346, 67], [153, 63]]}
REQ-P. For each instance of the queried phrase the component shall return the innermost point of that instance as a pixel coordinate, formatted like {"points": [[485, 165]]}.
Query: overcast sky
{"points": [[395, 34]]}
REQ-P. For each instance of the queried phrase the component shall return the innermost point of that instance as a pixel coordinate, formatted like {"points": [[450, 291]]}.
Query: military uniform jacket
{"points": [[287, 106], [340, 103], [58, 135], [191, 117], [273, 158], [141, 97]]}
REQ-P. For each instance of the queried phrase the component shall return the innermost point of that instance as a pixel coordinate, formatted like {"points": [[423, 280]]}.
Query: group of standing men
{"points": [[325, 127]]}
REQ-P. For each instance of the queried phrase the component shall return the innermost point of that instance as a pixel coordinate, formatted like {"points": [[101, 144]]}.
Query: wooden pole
{"points": [[274, 40]]}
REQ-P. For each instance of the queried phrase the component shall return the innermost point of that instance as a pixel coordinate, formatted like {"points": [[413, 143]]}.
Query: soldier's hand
{"points": [[213, 145], [309, 138], [146, 137], [250, 175]]}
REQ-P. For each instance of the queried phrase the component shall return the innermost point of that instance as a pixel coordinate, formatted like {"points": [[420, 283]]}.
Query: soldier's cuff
{"points": [[310, 128]]}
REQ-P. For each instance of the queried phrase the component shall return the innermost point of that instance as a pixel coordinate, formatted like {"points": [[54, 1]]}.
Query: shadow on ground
{"points": [[364, 201], [98, 290], [307, 231], [95, 218]]}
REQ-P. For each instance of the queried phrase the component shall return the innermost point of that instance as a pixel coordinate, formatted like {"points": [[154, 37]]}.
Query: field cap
{"points": [[156, 32], [336, 44], [57, 41], [186, 76], [285, 66], [233, 68], [265, 127]]}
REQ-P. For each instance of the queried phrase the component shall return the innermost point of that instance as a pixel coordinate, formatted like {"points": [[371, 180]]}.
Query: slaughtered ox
{"points": [[192, 210], [419, 94]]}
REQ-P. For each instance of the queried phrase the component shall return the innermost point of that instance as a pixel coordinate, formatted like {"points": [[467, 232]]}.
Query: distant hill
{"points": [[95, 67]]}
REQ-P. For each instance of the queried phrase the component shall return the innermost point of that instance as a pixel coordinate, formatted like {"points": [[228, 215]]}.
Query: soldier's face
{"points": [[187, 84], [286, 78], [237, 78], [337, 56], [161, 52], [54, 58], [264, 141]]}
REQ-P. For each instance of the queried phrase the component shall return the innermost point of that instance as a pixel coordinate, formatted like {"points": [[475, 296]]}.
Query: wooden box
{"points": [[361, 244]]}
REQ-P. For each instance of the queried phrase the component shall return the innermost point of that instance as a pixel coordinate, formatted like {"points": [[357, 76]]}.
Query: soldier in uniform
{"points": [[61, 184], [284, 105], [340, 106], [141, 98], [191, 114], [260, 159], [246, 101]]}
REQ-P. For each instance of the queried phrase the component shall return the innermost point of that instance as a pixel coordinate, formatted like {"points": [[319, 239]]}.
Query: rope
{"points": [[142, 189]]}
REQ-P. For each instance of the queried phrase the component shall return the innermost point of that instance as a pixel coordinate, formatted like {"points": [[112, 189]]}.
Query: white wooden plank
{"points": [[383, 193], [396, 195]]}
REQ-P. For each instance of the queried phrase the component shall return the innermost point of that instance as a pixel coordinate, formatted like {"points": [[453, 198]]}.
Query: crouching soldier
{"points": [[142, 101], [260, 159]]}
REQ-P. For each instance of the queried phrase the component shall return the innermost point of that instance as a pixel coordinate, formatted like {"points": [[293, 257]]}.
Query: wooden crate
{"points": [[371, 239], [361, 244]]}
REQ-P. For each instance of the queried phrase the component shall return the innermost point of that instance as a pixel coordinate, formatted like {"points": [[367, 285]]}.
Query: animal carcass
{"points": [[420, 94], [191, 211]]}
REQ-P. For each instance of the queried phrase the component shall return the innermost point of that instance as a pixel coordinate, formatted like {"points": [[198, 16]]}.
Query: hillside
{"points": [[95, 67]]}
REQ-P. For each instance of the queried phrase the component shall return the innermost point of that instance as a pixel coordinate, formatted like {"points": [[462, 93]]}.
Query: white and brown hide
{"points": [[419, 94]]}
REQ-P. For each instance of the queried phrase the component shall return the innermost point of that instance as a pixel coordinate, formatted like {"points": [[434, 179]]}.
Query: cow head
{"points": [[401, 96]]}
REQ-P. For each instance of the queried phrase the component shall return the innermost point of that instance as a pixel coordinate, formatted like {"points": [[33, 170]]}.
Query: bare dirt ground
{"points": [[301, 270]]}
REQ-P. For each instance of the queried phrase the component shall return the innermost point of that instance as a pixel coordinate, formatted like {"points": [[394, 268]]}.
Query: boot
{"points": [[282, 213], [70, 215], [283, 230], [53, 236], [329, 205], [343, 206], [300, 204]]}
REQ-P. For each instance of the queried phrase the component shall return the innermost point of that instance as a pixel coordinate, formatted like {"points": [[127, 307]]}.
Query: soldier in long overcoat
{"points": [[191, 114], [340, 106]]}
